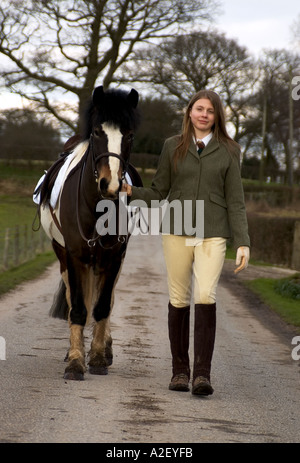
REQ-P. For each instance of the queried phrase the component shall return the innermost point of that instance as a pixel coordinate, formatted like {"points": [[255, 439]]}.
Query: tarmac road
{"points": [[256, 381]]}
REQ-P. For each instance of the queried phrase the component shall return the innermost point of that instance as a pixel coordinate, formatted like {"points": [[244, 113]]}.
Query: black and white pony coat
{"points": [[89, 264]]}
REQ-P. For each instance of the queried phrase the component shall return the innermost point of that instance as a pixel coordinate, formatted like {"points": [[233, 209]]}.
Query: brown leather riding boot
{"points": [[179, 331], [204, 340]]}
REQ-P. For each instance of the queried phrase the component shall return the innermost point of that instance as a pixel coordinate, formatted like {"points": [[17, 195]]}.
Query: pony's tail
{"points": [[60, 308]]}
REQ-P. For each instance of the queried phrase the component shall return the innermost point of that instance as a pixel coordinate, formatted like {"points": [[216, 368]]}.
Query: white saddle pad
{"points": [[60, 180]]}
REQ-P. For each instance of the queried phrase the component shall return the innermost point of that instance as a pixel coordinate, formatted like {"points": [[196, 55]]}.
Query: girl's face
{"points": [[202, 117]]}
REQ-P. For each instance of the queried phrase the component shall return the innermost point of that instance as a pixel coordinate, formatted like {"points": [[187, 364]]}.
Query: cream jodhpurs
{"points": [[185, 257]]}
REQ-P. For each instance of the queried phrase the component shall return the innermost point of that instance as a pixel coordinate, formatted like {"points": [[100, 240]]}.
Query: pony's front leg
{"points": [[76, 356], [77, 319], [100, 355]]}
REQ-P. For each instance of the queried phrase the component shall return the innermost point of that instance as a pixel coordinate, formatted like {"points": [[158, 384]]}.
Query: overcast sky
{"points": [[255, 24], [259, 24]]}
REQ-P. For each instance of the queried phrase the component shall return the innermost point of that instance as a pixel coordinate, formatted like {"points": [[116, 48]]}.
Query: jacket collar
{"points": [[210, 147]]}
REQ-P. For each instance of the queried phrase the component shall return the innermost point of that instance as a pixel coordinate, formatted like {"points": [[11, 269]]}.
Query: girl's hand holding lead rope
{"points": [[126, 189]]}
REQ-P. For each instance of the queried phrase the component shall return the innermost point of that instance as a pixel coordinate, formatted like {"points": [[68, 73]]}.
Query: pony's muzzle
{"points": [[110, 174], [103, 185], [106, 191]]}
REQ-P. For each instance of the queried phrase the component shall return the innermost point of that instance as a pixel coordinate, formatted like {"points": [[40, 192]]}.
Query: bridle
{"points": [[96, 159], [91, 242]]}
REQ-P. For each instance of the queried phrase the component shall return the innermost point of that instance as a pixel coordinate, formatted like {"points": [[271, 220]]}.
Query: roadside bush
{"points": [[289, 287]]}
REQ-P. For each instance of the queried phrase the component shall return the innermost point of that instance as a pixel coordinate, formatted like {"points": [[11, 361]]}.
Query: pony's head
{"points": [[112, 119]]}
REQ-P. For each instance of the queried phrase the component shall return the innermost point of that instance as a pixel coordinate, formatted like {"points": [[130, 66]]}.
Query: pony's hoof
{"points": [[109, 361], [98, 370], [74, 371], [74, 376], [109, 354]]}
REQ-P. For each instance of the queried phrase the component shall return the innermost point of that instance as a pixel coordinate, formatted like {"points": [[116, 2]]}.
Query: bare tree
{"points": [[274, 110], [190, 62], [159, 121], [70, 45], [296, 30]]}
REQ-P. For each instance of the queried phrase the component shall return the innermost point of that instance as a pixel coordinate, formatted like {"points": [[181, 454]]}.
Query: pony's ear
{"points": [[98, 95], [133, 98]]}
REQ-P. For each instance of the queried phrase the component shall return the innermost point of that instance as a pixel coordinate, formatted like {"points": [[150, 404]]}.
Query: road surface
{"points": [[256, 381]]}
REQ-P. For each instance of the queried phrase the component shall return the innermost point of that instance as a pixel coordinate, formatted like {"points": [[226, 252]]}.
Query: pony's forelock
{"points": [[115, 107]]}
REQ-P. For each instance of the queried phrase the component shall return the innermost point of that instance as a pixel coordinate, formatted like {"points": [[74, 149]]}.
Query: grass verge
{"points": [[286, 307], [16, 210], [25, 272]]}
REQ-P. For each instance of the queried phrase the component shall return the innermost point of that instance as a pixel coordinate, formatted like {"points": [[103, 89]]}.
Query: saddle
{"points": [[45, 187]]}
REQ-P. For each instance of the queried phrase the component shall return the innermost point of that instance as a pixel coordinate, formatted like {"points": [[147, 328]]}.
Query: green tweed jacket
{"points": [[213, 176]]}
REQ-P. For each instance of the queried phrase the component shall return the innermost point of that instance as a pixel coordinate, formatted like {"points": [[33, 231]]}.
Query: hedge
{"points": [[272, 238], [274, 195]]}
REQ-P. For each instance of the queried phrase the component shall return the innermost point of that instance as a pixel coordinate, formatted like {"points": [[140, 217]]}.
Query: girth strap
{"points": [[55, 219]]}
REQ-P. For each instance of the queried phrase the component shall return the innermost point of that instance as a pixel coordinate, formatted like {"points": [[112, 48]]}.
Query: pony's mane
{"points": [[113, 107], [77, 155]]}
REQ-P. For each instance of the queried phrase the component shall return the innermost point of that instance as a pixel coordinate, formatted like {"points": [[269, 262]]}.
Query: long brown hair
{"points": [[219, 127]]}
